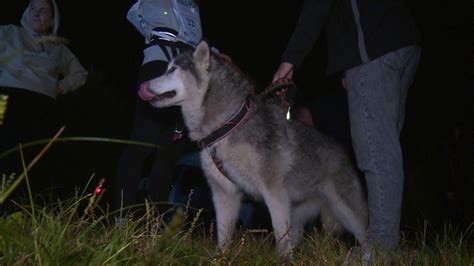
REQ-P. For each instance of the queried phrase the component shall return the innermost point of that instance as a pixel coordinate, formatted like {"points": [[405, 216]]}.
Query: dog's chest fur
{"points": [[249, 159], [237, 166]]}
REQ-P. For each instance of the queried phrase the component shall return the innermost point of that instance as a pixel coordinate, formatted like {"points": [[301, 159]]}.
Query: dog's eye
{"points": [[171, 70]]}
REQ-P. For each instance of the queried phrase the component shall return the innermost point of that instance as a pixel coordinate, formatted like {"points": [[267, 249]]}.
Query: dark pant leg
{"points": [[163, 171], [28, 117], [147, 127]]}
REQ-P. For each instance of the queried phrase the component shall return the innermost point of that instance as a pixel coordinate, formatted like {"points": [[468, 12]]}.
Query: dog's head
{"points": [[185, 79]]}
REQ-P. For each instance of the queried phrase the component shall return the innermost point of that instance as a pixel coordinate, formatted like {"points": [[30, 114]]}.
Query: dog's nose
{"points": [[144, 91]]}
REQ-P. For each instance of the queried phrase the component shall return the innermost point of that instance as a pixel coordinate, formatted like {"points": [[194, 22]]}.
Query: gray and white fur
{"points": [[293, 169]]}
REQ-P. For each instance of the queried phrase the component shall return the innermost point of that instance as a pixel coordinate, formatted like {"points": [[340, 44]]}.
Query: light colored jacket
{"points": [[36, 63]]}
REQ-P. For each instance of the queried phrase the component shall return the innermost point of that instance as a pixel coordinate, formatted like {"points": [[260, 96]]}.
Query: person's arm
{"points": [[3, 29], [313, 16], [6, 36], [2, 32], [74, 73]]}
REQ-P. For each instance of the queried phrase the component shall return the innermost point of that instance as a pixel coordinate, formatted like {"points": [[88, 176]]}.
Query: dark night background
{"points": [[438, 134]]}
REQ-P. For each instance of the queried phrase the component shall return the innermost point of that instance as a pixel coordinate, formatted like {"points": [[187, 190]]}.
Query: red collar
{"points": [[227, 127]]}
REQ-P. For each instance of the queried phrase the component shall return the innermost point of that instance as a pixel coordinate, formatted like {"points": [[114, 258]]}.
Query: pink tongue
{"points": [[144, 92]]}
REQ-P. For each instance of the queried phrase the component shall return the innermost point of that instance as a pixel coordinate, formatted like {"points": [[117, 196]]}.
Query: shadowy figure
{"points": [[374, 46], [169, 28]]}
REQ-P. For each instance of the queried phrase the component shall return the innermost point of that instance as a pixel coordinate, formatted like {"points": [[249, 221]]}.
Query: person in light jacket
{"points": [[35, 66]]}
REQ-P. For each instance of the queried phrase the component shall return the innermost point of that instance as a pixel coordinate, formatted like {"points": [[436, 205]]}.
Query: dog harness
{"points": [[283, 90], [237, 119], [227, 127]]}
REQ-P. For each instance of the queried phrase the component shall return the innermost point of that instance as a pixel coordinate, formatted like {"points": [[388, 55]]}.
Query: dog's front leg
{"points": [[278, 203], [227, 205]]}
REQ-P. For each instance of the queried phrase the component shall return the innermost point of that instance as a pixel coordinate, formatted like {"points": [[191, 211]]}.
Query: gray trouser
{"points": [[376, 94]]}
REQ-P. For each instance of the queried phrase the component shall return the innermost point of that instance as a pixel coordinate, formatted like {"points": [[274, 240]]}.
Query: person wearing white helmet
{"points": [[169, 27]]}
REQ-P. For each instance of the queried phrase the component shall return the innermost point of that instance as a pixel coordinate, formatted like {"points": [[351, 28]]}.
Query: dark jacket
{"points": [[357, 31]]}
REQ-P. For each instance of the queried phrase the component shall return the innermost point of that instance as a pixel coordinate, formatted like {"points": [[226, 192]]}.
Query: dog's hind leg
{"points": [[351, 216], [300, 215], [278, 203]]}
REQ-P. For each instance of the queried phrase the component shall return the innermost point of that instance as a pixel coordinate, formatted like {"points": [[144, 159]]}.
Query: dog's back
{"points": [[305, 159]]}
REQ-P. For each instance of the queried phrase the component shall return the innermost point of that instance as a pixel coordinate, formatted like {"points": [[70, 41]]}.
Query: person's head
{"points": [[41, 16]]}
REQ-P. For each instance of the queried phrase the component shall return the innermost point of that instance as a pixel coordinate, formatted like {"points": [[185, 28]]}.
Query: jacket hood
{"points": [[25, 21]]}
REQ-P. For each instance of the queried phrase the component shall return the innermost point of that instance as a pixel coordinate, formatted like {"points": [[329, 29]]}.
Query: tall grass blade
{"points": [[17, 182]]}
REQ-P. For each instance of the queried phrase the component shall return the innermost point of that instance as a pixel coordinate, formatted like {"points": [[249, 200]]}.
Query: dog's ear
{"points": [[202, 54]]}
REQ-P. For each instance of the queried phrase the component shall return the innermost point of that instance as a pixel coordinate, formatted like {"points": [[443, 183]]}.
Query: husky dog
{"points": [[249, 146]]}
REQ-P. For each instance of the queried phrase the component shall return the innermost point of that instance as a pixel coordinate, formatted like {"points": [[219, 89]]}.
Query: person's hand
{"points": [[60, 89], [284, 71], [303, 115], [344, 84]]}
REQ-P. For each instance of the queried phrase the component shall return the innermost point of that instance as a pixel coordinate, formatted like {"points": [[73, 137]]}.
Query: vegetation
{"points": [[79, 232], [82, 231]]}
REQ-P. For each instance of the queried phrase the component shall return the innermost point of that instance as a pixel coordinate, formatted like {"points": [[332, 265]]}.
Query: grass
{"points": [[81, 231]]}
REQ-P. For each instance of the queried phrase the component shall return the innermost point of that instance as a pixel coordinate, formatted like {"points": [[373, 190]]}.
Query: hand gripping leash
{"points": [[283, 90]]}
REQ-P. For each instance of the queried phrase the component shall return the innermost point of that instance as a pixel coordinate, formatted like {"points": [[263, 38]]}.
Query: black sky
{"points": [[255, 36]]}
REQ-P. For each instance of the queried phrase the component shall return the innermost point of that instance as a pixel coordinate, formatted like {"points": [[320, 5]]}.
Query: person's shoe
{"points": [[359, 256]]}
